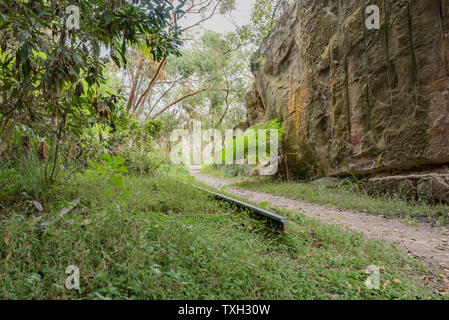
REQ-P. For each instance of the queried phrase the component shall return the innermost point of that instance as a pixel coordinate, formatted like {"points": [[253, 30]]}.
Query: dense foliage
{"points": [[53, 84]]}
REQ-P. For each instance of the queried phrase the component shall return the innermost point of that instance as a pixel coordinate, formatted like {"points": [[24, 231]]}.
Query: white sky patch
{"points": [[222, 24]]}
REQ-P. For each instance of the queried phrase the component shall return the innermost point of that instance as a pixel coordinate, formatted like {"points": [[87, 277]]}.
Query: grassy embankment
{"points": [[169, 241]]}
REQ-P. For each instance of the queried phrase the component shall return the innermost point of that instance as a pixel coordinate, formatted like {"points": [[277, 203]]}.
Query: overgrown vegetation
{"points": [[238, 149], [169, 241]]}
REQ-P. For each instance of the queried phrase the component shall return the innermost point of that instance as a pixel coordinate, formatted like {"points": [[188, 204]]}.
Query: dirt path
{"points": [[431, 244]]}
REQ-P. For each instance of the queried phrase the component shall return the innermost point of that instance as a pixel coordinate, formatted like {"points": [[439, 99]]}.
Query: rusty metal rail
{"points": [[275, 221]]}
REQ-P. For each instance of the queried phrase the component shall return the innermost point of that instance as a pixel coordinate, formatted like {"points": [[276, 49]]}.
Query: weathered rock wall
{"points": [[355, 99]]}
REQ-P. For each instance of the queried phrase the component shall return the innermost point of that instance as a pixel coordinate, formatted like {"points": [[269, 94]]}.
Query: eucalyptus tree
{"points": [[223, 63], [146, 75], [208, 81]]}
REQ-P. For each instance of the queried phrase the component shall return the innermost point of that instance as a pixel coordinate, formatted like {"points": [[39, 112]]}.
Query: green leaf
{"points": [[264, 204], [101, 169], [107, 158], [123, 169], [119, 160]]}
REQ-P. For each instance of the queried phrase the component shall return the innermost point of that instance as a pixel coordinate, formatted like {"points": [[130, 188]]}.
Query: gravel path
{"points": [[430, 244]]}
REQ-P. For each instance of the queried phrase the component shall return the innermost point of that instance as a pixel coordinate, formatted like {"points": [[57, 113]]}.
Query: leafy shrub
{"points": [[26, 176], [113, 169], [145, 163], [274, 124], [239, 170]]}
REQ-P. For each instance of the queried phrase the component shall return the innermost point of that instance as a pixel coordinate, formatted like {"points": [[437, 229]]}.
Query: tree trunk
{"points": [[134, 88], [150, 86], [9, 131]]}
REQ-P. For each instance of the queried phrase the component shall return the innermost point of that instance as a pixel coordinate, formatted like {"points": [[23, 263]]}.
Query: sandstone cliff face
{"points": [[369, 101]]}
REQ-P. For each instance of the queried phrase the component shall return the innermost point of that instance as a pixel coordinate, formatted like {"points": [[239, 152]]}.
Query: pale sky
{"points": [[221, 24]]}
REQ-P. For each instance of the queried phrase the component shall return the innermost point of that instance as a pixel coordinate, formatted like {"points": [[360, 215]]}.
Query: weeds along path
{"points": [[430, 244]]}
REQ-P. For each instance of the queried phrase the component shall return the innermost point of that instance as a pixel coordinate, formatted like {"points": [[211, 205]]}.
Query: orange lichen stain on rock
{"points": [[302, 100], [291, 104]]}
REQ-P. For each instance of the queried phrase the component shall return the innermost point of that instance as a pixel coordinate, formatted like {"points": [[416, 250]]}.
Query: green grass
{"points": [[228, 172], [24, 179], [347, 197], [170, 241]]}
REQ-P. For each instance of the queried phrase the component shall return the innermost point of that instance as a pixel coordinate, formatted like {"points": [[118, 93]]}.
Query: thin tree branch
{"points": [[153, 80], [205, 19], [163, 95], [177, 101]]}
